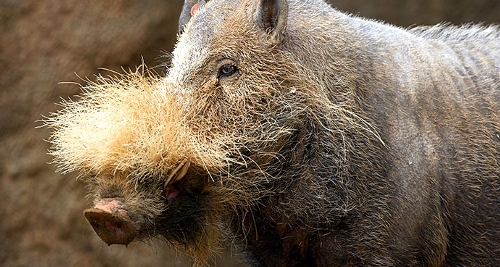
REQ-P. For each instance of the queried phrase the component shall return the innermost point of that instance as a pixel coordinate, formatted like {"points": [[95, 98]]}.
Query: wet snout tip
{"points": [[112, 228]]}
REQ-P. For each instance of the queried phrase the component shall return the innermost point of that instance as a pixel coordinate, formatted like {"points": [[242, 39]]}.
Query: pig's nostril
{"points": [[112, 228], [116, 227]]}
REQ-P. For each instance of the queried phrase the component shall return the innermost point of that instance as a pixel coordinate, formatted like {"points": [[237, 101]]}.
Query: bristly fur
{"points": [[129, 122]]}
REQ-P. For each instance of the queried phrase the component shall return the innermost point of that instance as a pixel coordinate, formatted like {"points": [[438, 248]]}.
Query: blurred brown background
{"points": [[44, 42]]}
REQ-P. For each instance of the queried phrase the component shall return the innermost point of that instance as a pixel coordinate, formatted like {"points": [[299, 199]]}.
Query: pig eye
{"points": [[226, 70]]}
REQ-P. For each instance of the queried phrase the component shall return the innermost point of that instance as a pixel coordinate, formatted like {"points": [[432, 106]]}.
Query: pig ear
{"points": [[273, 15], [188, 9]]}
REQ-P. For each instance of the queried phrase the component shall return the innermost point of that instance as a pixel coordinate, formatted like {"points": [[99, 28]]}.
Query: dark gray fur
{"points": [[432, 95]]}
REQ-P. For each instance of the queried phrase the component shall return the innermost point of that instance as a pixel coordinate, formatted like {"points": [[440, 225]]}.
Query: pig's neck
{"points": [[329, 187], [322, 192]]}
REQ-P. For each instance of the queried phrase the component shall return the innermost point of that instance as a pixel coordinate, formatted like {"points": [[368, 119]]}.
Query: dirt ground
{"points": [[46, 42]]}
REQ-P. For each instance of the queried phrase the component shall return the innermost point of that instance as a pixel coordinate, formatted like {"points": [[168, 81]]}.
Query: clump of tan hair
{"points": [[130, 121]]}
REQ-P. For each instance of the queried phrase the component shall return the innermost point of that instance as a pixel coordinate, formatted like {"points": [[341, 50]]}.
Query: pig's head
{"points": [[182, 156], [147, 173]]}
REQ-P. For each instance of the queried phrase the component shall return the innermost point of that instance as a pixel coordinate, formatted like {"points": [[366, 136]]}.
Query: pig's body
{"points": [[333, 140], [434, 96], [435, 101]]}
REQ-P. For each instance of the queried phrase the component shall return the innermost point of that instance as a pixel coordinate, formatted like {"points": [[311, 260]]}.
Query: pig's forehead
{"points": [[195, 44], [209, 20]]}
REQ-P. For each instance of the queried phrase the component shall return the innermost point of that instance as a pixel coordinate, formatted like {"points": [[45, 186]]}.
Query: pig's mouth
{"points": [[172, 187], [110, 219]]}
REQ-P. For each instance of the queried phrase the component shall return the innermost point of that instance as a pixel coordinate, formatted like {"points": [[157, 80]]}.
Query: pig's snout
{"points": [[111, 222]]}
